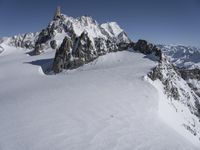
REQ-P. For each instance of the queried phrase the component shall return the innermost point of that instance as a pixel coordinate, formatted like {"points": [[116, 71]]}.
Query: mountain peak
{"points": [[57, 13], [112, 28], [86, 20]]}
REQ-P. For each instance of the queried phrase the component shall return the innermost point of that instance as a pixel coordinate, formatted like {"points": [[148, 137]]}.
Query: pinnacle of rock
{"points": [[57, 13]]}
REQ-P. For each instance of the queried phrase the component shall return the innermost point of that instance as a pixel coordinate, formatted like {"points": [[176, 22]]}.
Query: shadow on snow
{"points": [[45, 64]]}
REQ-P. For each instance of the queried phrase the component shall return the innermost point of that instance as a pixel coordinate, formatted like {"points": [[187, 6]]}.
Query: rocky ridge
{"points": [[181, 95], [84, 40]]}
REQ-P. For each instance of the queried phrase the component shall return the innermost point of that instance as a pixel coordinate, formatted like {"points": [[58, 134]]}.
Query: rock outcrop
{"points": [[180, 96], [104, 37], [147, 48], [190, 73], [63, 55], [83, 50], [88, 39], [1, 49], [192, 76], [57, 14]]}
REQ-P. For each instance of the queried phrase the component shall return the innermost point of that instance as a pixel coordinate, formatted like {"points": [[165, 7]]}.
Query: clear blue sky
{"points": [[159, 21]]}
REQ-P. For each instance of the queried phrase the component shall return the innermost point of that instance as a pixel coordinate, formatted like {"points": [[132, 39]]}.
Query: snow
{"points": [[82, 24], [195, 83], [182, 56], [5, 49], [112, 28], [105, 104], [169, 112]]}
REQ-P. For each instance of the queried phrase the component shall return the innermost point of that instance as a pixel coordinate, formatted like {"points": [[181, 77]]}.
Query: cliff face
{"points": [[180, 98], [63, 26], [88, 40], [73, 54]]}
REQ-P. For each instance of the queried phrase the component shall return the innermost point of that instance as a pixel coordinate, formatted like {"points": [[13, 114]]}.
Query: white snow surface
{"points": [[89, 25], [112, 28], [104, 105]]}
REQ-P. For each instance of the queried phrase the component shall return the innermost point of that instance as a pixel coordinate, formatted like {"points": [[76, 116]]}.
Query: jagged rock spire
{"points": [[57, 13]]}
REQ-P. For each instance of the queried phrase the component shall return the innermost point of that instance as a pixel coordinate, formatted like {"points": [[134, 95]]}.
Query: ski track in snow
{"points": [[104, 105]]}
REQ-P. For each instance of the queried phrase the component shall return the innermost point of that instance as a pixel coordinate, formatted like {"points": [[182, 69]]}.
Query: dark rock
{"points": [[155, 74], [123, 46], [190, 73], [193, 74], [62, 57], [147, 48], [101, 47], [38, 49], [44, 36], [197, 104], [53, 44], [143, 47], [83, 48], [111, 45], [57, 13], [75, 63]]}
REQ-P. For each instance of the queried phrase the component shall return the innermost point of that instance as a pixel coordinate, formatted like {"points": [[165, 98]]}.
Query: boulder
{"points": [[53, 44]]}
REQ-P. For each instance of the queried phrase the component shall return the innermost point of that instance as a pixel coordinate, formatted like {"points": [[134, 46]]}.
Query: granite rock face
{"points": [[147, 48], [57, 13], [104, 37], [63, 55], [88, 39], [192, 76], [190, 73], [73, 54]]}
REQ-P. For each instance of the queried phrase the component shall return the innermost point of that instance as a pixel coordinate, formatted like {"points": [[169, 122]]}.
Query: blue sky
{"points": [[158, 21]]}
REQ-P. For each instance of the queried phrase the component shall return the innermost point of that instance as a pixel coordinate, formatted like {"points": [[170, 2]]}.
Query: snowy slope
{"points": [[105, 105], [112, 28], [179, 104]]}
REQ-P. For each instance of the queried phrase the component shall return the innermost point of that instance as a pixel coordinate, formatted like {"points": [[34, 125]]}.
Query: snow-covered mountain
{"points": [[63, 26], [26, 41], [79, 40], [108, 91], [80, 33], [182, 56]]}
